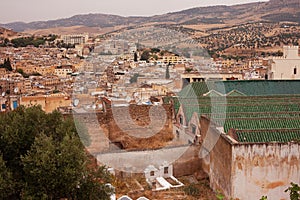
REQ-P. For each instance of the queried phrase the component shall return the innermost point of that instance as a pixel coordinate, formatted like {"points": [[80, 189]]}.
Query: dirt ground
{"points": [[193, 189]]}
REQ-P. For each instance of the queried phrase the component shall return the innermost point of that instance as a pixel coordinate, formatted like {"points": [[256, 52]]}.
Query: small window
{"points": [[181, 119], [194, 129], [152, 173], [154, 184], [295, 70], [166, 170], [177, 134]]}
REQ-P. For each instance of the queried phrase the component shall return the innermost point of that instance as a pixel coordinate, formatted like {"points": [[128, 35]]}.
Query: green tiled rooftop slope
{"points": [[232, 103], [270, 111], [259, 123], [268, 136], [260, 88], [223, 110], [247, 87]]}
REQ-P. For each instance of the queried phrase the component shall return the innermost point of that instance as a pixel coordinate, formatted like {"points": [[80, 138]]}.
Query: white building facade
{"points": [[287, 66]]}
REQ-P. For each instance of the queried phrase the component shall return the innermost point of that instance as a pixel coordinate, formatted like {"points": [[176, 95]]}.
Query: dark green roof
{"points": [[268, 136], [195, 90], [268, 111], [243, 110], [247, 87], [235, 93], [259, 123]]}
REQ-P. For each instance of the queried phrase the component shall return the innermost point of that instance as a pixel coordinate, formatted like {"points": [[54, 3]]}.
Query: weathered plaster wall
{"points": [[220, 167], [264, 169], [216, 154], [189, 163]]}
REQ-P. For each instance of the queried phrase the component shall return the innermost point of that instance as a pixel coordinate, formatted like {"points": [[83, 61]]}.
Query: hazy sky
{"points": [[34, 10]]}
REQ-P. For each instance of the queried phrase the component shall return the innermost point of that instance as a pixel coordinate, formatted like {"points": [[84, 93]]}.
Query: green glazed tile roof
{"points": [[259, 87], [246, 87], [258, 111], [268, 136], [260, 123]]}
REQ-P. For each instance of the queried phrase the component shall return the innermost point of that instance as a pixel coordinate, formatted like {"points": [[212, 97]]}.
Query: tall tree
{"points": [[45, 157], [135, 57], [167, 72], [58, 168], [6, 181]]}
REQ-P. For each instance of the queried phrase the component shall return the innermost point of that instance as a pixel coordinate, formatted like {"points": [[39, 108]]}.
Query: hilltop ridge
{"points": [[273, 11]]}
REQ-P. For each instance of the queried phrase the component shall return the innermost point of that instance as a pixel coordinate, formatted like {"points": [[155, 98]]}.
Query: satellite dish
{"points": [[128, 99], [76, 102], [3, 94], [16, 90]]}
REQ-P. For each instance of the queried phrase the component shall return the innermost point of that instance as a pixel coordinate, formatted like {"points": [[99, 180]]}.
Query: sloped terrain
{"points": [[274, 11]]}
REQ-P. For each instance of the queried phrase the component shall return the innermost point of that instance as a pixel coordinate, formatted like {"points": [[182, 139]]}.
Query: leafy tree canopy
{"points": [[43, 158]]}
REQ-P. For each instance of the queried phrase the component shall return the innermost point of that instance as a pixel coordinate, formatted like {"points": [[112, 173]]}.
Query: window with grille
{"points": [[166, 170]]}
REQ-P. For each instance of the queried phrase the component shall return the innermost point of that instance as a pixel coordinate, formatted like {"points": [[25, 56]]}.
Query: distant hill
{"points": [[273, 11], [6, 33], [89, 20]]}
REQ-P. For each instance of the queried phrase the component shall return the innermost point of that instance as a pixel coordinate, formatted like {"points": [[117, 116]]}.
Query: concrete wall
{"points": [[138, 161], [264, 169]]}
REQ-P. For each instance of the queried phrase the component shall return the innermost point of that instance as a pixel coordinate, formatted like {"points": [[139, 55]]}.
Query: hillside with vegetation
{"points": [[272, 11]]}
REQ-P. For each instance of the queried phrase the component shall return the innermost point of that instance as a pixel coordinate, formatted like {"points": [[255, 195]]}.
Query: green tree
{"points": [[45, 157], [93, 186], [57, 167], [25, 41], [145, 55], [155, 50], [263, 198], [6, 181], [220, 196], [294, 191]]}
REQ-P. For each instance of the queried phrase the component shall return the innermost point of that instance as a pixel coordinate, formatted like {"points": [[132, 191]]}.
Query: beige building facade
{"points": [[286, 67]]}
